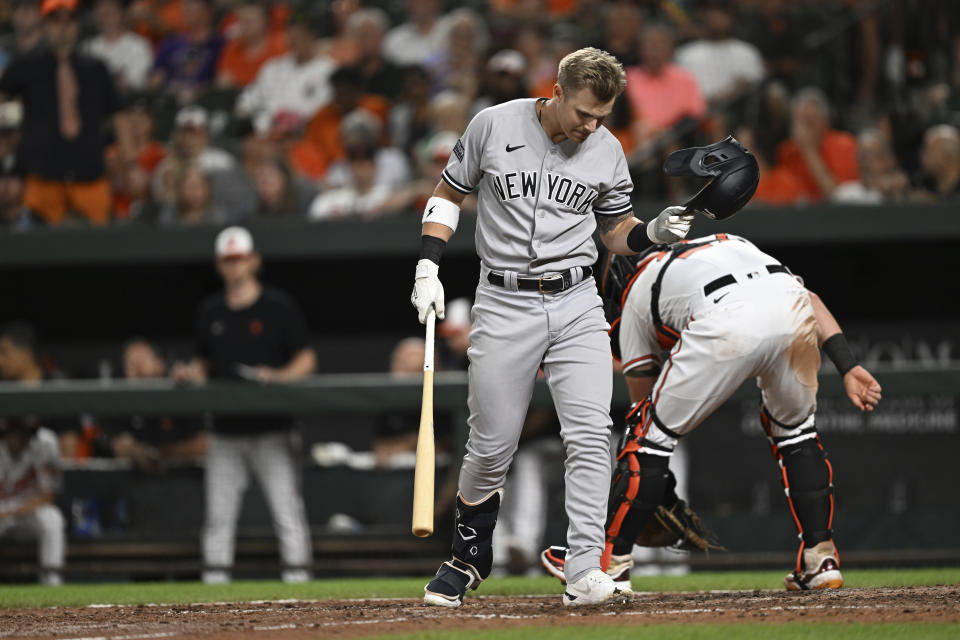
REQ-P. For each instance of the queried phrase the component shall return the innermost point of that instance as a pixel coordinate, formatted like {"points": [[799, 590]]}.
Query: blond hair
{"points": [[595, 69]]}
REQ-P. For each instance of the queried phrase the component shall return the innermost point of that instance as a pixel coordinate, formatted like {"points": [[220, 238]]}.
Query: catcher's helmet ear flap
{"points": [[732, 171]]}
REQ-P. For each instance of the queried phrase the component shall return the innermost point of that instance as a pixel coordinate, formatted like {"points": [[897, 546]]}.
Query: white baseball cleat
{"points": [[554, 558], [823, 572], [594, 588]]}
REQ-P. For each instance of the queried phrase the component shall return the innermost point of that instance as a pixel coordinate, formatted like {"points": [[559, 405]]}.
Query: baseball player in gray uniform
{"points": [[541, 168], [29, 477]]}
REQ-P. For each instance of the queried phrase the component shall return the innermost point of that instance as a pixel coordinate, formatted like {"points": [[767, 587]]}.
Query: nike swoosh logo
{"points": [[718, 299], [519, 146]]}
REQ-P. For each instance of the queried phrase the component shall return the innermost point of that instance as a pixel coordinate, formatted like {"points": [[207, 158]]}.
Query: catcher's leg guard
{"points": [[807, 479], [472, 552], [638, 485]]}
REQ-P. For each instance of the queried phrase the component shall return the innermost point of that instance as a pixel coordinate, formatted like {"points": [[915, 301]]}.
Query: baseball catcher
{"points": [[722, 311], [696, 319]]}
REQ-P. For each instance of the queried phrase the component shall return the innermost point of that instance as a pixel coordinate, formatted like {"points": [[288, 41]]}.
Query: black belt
{"points": [[552, 283], [728, 279]]}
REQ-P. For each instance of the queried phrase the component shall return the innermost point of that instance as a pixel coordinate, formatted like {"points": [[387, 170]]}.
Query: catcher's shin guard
{"points": [[638, 485], [807, 478]]}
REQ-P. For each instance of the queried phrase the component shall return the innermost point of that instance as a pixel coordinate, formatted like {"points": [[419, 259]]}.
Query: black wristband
{"points": [[839, 352], [637, 239], [431, 248]]}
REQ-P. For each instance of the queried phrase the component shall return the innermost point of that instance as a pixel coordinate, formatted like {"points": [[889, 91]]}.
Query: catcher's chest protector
{"points": [[666, 334]]}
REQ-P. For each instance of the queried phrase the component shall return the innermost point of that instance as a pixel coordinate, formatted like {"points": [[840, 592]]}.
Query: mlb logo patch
{"points": [[458, 150]]}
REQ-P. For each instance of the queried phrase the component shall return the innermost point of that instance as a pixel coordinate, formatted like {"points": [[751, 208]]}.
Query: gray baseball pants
{"points": [[514, 334], [270, 456]]}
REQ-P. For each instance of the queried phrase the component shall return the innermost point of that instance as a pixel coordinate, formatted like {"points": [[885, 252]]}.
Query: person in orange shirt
{"points": [[321, 145], [820, 158], [156, 19], [520, 11], [132, 160], [777, 186], [279, 16], [251, 45]]}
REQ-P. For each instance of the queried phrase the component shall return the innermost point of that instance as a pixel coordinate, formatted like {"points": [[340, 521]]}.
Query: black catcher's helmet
{"points": [[732, 171], [614, 274]]}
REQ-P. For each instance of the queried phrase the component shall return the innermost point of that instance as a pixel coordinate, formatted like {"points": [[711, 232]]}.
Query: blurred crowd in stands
{"points": [[179, 112]]}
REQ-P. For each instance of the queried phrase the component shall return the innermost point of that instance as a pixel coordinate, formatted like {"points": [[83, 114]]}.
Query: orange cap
{"points": [[49, 6]]}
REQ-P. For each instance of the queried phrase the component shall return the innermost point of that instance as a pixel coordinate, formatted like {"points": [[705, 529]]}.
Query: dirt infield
{"points": [[292, 620]]}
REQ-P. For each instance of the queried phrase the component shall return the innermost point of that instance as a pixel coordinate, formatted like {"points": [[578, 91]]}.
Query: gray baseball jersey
{"points": [[537, 201], [535, 197]]}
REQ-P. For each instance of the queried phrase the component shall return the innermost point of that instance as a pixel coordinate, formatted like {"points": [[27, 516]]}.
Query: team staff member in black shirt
{"points": [[252, 332], [68, 97]]}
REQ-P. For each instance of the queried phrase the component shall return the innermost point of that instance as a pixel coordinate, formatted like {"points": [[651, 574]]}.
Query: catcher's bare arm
{"points": [[861, 387], [640, 382]]}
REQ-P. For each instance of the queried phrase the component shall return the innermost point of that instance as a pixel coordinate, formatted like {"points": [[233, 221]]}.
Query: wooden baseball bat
{"points": [[426, 465]]}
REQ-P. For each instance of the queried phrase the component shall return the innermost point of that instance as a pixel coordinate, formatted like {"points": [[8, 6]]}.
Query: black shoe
{"points": [[448, 586]]}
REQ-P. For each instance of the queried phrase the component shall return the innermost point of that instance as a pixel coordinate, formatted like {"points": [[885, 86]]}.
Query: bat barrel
{"points": [[423, 477]]}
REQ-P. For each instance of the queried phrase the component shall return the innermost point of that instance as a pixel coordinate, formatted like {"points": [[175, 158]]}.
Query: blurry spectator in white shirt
{"points": [[362, 197], [127, 55], [423, 35], [361, 129], [297, 82], [190, 145], [723, 65]]}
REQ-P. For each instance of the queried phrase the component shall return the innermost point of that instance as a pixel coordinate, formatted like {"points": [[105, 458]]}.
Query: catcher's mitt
{"points": [[678, 527]]}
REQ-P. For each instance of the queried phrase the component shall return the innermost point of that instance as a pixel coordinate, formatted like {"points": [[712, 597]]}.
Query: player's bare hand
{"points": [[427, 290], [672, 225], [862, 388]]}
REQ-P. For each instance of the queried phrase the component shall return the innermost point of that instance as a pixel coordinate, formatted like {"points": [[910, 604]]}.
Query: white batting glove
{"points": [[672, 225], [427, 290]]}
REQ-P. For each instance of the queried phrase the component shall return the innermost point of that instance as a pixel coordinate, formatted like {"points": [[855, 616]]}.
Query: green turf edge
{"points": [[743, 631], [16, 596]]}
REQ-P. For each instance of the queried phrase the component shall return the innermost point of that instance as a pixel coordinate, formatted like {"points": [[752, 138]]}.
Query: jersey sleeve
{"points": [[615, 199], [464, 169], [639, 348]]}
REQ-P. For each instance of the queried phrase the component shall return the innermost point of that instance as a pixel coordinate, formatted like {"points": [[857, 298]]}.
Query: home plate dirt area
{"points": [[291, 620]]}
